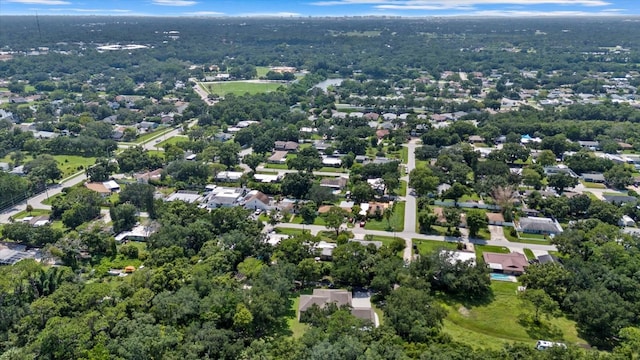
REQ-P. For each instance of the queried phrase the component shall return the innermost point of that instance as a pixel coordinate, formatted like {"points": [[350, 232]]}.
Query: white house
{"points": [[256, 200]]}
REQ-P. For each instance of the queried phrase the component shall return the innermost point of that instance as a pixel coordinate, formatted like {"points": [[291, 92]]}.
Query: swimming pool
{"points": [[502, 277]]}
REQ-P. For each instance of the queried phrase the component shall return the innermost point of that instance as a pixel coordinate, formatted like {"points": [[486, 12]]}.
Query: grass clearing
{"points": [[152, 135], [240, 87], [402, 190], [71, 164], [171, 141], [430, 246], [396, 222], [297, 328], [498, 322], [35, 212]]}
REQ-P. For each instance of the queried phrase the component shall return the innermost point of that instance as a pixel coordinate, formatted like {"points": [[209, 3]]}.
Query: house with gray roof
{"points": [[324, 297], [538, 225]]}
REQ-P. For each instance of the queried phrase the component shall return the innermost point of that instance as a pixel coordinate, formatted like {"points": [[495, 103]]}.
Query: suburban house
{"points": [[286, 146], [138, 233], [154, 175], [626, 220], [461, 256], [337, 183], [267, 178], [382, 133], [112, 186], [620, 199], [495, 219], [559, 169], [331, 161], [99, 188], [476, 139], [538, 225], [224, 197], [278, 157], [513, 263], [256, 200], [229, 176], [590, 145], [186, 196], [323, 297], [593, 177]]}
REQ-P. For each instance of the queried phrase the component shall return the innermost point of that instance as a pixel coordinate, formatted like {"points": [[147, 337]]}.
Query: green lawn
{"points": [[402, 189], [262, 70], [430, 246], [525, 238], [239, 87], [529, 254], [35, 212], [490, 248], [396, 221], [288, 231], [496, 323], [276, 166], [297, 328], [592, 185]]}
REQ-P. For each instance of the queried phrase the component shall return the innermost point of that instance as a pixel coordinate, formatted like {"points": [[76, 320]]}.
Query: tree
{"points": [[320, 194], [452, 215], [228, 153], [455, 192], [423, 181], [101, 170], [42, 169], [540, 302], [414, 315], [307, 159], [561, 181], [388, 214], [531, 178], [391, 181], [308, 212], [619, 177], [352, 264], [334, 218], [476, 220], [124, 217], [629, 345], [253, 160], [552, 278], [426, 219], [362, 192], [140, 195], [308, 270], [546, 158], [296, 185]]}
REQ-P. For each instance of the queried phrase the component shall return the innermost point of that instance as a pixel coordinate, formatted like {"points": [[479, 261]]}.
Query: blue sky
{"points": [[410, 8]]}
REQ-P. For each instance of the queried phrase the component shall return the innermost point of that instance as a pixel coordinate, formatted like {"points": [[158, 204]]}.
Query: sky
{"points": [[304, 8]]}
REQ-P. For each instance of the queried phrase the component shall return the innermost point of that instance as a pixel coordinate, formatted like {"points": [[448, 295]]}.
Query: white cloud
{"points": [[99, 10], [41, 2], [203, 13], [453, 4], [174, 2]]}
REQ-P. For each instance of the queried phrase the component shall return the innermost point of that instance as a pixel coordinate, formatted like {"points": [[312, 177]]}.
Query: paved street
{"points": [[410, 207]]}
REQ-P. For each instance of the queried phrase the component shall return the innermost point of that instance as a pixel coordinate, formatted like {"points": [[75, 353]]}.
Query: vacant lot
{"points": [[492, 324], [396, 222], [240, 87]]}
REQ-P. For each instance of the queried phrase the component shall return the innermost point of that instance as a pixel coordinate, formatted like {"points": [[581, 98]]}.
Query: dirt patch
{"points": [[464, 311]]}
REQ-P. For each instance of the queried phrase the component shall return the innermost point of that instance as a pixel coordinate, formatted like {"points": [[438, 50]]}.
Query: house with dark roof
{"points": [[291, 146], [256, 200], [536, 225], [513, 263], [593, 177], [620, 199]]}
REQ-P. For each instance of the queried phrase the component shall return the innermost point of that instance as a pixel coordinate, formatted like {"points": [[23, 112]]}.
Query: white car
{"points": [[544, 345]]}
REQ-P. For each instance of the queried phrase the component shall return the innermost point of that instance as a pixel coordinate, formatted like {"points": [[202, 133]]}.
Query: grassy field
{"points": [[296, 327], [172, 140], [239, 87], [262, 70], [396, 221], [148, 136], [71, 164], [498, 322], [35, 212]]}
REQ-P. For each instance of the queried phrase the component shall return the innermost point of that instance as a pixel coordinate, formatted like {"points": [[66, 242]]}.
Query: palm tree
{"points": [[388, 213]]}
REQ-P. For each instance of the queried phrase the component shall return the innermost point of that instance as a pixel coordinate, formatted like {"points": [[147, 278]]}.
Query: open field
{"points": [[498, 322], [71, 164], [172, 140], [430, 246], [525, 238], [239, 87]]}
